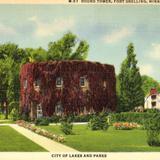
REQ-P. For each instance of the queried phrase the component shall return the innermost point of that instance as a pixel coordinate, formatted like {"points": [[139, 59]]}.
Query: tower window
{"points": [[59, 109], [59, 82], [37, 82], [25, 84], [82, 81]]}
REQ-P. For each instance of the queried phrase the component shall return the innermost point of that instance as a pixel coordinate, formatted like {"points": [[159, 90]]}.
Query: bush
{"points": [[153, 140], [98, 122], [14, 114], [42, 121], [82, 118], [55, 119], [152, 126], [24, 117], [130, 117], [66, 127], [13, 105], [152, 110]]}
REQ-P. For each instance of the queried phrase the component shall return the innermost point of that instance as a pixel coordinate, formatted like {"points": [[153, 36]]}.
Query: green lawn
{"points": [[6, 122], [11, 140], [105, 141]]}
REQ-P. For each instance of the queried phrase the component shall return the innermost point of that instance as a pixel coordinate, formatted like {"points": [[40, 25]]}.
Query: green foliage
{"points": [[80, 118], [44, 121], [14, 114], [13, 105], [98, 122], [152, 126], [66, 127], [148, 83], [153, 110], [55, 119], [65, 48], [24, 117], [138, 117], [37, 55], [131, 93]]}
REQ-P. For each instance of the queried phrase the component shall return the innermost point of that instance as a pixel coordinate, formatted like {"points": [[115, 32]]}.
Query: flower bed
{"points": [[125, 125], [42, 132]]}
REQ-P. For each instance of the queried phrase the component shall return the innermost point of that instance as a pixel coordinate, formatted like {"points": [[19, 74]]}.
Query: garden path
{"points": [[46, 143]]}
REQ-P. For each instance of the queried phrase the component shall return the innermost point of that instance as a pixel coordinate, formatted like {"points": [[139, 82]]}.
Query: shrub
{"points": [[152, 126], [98, 122], [13, 105], [14, 114], [130, 117], [83, 118], [42, 121], [24, 117], [55, 119], [66, 127], [152, 110]]}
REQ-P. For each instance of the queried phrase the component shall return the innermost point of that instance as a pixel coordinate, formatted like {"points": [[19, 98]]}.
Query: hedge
{"points": [[137, 117]]}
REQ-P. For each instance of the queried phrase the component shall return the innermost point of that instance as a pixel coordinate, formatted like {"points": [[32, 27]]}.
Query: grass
{"points": [[105, 141], [11, 140], [6, 122]]}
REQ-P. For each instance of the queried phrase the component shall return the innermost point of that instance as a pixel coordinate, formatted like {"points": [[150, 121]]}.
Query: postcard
{"points": [[79, 79]]}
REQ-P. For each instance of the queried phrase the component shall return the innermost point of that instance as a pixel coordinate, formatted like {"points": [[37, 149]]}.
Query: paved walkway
{"points": [[46, 143]]}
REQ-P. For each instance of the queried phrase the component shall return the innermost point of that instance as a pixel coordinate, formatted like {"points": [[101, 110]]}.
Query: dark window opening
{"points": [[82, 81], [59, 81], [37, 82], [153, 104]]}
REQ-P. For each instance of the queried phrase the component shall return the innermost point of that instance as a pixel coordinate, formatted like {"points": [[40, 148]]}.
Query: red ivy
{"points": [[72, 97]]}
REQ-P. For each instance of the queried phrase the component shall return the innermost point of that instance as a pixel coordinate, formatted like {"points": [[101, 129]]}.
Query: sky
{"points": [[108, 30]]}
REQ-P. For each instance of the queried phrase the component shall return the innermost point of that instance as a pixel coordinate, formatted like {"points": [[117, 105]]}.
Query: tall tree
{"points": [[68, 47], [131, 93]]}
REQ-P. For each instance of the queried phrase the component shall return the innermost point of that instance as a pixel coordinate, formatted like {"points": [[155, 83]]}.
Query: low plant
{"points": [[153, 110], [137, 117], [66, 127], [55, 119], [14, 114], [44, 121], [152, 126], [98, 122]]}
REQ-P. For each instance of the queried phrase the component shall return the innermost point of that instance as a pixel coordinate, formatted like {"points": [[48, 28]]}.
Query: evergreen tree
{"points": [[131, 93]]}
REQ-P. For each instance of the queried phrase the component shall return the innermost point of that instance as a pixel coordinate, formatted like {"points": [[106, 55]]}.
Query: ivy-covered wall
{"points": [[100, 93]]}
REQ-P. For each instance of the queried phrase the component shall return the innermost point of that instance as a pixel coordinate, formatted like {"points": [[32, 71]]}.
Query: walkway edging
{"points": [[46, 143]]}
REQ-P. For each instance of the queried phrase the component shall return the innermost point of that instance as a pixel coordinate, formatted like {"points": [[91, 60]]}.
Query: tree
{"points": [[148, 83], [11, 57], [68, 48], [131, 93], [4, 69], [36, 55]]}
